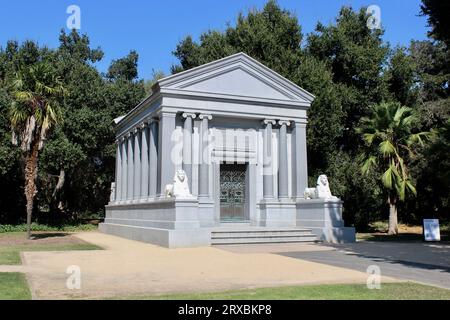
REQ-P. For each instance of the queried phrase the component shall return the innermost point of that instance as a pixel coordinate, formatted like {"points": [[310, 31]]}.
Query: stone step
{"points": [[261, 235], [309, 238], [259, 229], [241, 234]]}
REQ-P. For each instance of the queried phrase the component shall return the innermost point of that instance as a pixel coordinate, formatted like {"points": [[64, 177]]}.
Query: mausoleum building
{"points": [[217, 154]]}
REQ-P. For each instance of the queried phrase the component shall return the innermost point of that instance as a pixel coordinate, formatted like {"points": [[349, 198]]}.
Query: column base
{"points": [[206, 212]]}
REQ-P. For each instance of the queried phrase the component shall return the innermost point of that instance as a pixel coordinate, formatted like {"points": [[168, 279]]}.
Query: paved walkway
{"points": [[129, 267], [428, 263]]}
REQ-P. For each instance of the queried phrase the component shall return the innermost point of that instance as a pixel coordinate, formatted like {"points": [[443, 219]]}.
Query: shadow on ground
{"points": [[402, 237], [37, 236], [418, 261]]}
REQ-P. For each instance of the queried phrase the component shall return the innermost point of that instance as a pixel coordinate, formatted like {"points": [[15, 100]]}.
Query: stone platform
{"points": [[184, 223]]}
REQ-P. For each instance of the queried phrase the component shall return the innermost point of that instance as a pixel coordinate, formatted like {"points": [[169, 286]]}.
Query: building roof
{"points": [[238, 77]]}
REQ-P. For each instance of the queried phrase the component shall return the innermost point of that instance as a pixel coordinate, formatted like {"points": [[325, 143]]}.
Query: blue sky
{"points": [[154, 27]]}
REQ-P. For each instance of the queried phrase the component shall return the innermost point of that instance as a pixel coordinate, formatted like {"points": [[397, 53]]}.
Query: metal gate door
{"points": [[232, 192]]}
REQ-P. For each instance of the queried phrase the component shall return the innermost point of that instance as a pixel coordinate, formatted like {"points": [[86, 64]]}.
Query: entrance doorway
{"points": [[233, 192]]}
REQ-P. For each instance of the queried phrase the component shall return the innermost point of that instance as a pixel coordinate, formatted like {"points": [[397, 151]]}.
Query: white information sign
{"points": [[431, 230]]}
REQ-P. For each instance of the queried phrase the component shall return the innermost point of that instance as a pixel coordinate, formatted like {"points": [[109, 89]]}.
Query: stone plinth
{"points": [[277, 213], [166, 222], [324, 217]]}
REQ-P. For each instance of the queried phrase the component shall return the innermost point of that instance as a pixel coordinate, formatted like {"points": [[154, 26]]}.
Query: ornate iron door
{"points": [[232, 192]]}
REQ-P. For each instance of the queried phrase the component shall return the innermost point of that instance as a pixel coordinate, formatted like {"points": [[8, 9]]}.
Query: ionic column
{"points": [[118, 179], [137, 165], [124, 168], [268, 159], [300, 167], [283, 160], [144, 161], [153, 158], [203, 173], [166, 165], [130, 165], [187, 146]]}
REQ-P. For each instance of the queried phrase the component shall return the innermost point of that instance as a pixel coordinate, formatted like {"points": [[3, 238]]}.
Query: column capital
{"points": [[203, 116], [127, 135], [284, 122], [167, 114], [135, 130], [151, 119], [187, 114], [300, 124], [267, 121], [144, 124]]}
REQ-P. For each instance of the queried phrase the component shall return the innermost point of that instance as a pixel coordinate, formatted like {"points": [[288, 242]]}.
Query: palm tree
{"points": [[390, 142], [33, 112]]}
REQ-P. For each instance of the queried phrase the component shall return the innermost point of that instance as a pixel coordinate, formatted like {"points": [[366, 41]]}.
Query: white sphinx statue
{"points": [[321, 191], [180, 187]]}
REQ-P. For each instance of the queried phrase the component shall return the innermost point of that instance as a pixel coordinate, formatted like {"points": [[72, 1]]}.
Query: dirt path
{"points": [[129, 267]]}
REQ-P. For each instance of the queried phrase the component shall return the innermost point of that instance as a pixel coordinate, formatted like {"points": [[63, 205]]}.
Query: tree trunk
{"points": [[56, 197], [393, 221], [61, 180], [30, 182]]}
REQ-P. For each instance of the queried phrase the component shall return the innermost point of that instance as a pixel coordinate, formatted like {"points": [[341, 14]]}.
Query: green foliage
{"points": [[390, 144], [437, 12], [124, 68], [356, 56], [36, 106], [83, 144], [432, 167], [271, 36], [156, 75], [44, 227], [326, 115], [433, 69], [362, 194], [401, 75]]}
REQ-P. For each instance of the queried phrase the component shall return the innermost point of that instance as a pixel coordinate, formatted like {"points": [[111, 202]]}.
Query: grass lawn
{"points": [[13, 286], [388, 291], [12, 243]]}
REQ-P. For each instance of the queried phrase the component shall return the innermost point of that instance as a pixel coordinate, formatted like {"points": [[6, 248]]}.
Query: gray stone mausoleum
{"points": [[238, 130]]}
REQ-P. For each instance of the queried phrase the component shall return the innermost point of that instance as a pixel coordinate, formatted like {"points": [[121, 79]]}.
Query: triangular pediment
{"points": [[236, 76]]}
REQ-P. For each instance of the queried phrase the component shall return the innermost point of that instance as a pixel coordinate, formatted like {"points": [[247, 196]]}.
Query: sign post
{"points": [[431, 230]]}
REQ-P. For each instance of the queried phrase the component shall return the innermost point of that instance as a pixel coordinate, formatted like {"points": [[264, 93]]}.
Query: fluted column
{"points": [[144, 161], [268, 159], [187, 146], [283, 160], [300, 167], [130, 165], [203, 174], [118, 179], [137, 165], [153, 158], [124, 168], [166, 165]]}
